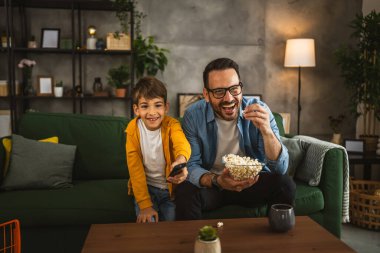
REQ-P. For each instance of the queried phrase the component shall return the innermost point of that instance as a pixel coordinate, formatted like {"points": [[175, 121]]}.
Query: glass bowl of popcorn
{"points": [[242, 167]]}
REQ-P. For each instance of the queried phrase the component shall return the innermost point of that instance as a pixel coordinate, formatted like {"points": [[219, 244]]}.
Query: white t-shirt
{"points": [[153, 156], [227, 142]]}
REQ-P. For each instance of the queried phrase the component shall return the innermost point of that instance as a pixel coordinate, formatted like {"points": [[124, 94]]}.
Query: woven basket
{"points": [[364, 205], [121, 43]]}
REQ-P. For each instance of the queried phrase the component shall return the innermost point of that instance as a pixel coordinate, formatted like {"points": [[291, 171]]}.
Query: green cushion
{"points": [[297, 151], [279, 123], [309, 199], [100, 141], [88, 202], [39, 165]]}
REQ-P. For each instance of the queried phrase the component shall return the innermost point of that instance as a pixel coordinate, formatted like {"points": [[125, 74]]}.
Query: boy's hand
{"points": [[177, 179], [146, 215]]}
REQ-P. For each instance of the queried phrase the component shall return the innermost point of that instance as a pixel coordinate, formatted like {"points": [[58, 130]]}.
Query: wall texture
{"points": [[252, 32]]}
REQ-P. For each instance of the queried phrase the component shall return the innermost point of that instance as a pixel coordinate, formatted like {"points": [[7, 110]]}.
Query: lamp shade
{"points": [[300, 53]]}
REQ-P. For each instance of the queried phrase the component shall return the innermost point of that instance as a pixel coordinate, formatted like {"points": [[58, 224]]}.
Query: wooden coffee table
{"points": [[237, 235]]}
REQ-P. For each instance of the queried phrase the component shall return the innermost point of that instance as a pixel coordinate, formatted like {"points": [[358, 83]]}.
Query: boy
{"points": [[155, 144]]}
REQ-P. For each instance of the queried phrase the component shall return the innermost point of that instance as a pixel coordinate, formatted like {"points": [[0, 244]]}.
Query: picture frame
{"points": [[249, 96], [184, 100], [50, 37], [285, 121], [354, 146], [45, 86]]}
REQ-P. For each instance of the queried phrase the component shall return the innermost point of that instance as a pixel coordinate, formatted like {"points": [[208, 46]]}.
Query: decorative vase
{"points": [[58, 92], [207, 246], [97, 86], [32, 44], [336, 138], [100, 44], [120, 92], [28, 88], [281, 217]]}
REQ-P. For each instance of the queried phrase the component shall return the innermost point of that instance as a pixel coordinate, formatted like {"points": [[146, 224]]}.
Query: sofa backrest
{"points": [[100, 141]]}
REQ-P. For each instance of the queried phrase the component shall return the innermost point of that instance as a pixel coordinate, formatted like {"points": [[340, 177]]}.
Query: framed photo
{"points": [[354, 146], [286, 121], [185, 100], [249, 96], [50, 37], [45, 86]]}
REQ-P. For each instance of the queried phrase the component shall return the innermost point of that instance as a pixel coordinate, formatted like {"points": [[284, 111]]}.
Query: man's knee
{"points": [[187, 200], [288, 187]]}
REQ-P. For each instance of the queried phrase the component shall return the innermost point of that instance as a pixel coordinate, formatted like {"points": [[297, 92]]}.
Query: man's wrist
{"points": [[205, 180], [215, 183]]}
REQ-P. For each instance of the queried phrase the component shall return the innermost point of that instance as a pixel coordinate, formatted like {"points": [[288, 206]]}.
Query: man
{"points": [[226, 123]]}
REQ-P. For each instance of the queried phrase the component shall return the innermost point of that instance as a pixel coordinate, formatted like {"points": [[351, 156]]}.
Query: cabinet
{"points": [[70, 62]]}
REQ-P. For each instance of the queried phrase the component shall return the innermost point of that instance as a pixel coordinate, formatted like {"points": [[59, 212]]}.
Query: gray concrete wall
{"points": [[252, 32]]}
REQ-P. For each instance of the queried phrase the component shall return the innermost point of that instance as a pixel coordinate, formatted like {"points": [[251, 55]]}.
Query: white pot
{"points": [[58, 92], [207, 246]]}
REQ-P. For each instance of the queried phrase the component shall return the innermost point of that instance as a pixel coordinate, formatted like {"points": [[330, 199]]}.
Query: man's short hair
{"points": [[219, 64], [149, 87]]}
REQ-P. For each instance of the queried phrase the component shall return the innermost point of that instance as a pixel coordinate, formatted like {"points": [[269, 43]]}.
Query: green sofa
{"points": [[58, 220]]}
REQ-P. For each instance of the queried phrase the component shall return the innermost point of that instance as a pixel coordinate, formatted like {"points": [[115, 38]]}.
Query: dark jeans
{"points": [[270, 189]]}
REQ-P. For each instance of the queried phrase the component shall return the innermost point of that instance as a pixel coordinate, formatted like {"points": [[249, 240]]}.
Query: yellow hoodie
{"points": [[174, 144]]}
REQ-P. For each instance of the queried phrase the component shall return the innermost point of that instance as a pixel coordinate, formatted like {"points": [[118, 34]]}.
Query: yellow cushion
{"points": [[7, 143]]}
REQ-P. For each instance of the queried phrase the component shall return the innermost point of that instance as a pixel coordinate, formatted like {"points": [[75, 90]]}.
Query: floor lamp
{"points": [[299, 53]]}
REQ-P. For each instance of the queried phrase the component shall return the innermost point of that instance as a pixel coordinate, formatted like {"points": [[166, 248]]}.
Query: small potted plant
{"points": [[32, 43], [207, 241], [336, 124], [58, 89], [119, 79]]}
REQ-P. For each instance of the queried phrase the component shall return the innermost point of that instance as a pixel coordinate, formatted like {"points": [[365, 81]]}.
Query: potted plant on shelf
{"points": [[119, 79], [148, 57], [360, 68], [58, 89], [207, 241]]}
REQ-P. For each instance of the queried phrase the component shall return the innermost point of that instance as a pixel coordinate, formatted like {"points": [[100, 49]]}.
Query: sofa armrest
{"points": [[331, 185]]}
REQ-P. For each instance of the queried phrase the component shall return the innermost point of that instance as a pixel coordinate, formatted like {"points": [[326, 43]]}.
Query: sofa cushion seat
{"points": [[88, 202], [309, 200]]}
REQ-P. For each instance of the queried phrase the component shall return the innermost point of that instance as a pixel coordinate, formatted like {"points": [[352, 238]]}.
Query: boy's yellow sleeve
{"points": [[180, 144], [137, 176]]}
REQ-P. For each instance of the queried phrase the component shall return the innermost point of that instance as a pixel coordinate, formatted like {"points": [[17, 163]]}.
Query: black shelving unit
{"points": [[18, 9]]}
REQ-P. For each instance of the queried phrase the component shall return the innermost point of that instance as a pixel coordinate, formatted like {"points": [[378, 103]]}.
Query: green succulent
{"points": [[207, 233]]}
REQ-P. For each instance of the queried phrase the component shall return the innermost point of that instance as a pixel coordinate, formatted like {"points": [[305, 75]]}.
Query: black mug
{"points": [[281, 217]]}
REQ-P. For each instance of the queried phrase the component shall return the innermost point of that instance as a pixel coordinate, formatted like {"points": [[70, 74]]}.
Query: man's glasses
{"points": [[221, 92]]}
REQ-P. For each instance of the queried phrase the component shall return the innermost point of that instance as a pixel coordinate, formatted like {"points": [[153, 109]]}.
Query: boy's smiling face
{"points": [[151, 111]]}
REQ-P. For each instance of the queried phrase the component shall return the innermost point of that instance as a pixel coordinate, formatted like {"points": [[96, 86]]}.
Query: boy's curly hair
{"points": [[149, 87]]}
